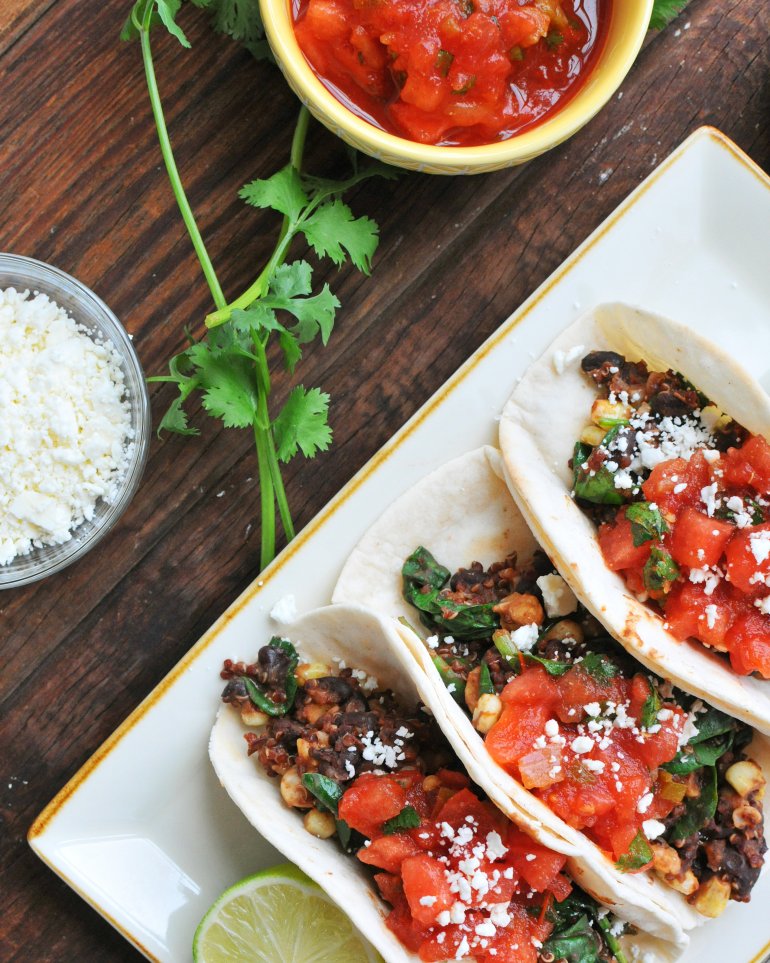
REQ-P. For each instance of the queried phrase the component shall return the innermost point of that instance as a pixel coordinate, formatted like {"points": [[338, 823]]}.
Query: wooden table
{"points": [[82, 187]]}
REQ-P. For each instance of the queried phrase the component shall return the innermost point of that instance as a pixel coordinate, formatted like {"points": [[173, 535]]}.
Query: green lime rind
{"points": [[277, 915]]}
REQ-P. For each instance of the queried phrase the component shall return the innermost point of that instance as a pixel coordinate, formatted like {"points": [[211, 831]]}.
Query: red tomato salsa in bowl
{"points": [[452, 72]]}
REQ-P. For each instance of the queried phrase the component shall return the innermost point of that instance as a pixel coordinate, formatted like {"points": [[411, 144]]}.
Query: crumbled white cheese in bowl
{"points": [[74, 420]]}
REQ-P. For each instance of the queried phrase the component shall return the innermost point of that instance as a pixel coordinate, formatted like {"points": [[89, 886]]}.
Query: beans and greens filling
{"points": [[681, 495], [651, 775], [462, 880]]}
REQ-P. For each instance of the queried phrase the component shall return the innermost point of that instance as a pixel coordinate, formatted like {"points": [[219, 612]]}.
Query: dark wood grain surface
{"points": [[82, 187]]}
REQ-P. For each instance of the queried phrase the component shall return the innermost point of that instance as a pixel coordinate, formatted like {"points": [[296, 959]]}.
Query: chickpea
{"points": [[293, 792], [564, 629], [303, 751], [472, 688], [488, 710], [516, 610], [430, 783], [686, 883], [665, 860], [746, 817], [322, 825]]}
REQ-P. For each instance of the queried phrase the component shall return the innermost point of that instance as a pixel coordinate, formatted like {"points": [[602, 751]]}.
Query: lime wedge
{"points": [[278, 916]]}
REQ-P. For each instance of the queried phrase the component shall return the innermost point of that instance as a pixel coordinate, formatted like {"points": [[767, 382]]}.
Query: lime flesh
{"points": [[278, 916]]}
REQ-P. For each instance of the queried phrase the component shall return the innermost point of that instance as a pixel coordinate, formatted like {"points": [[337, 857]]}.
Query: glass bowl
{"points": [[85, 308]]}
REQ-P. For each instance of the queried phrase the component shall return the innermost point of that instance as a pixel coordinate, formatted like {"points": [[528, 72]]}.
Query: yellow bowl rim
{"points": [[277, 19]]}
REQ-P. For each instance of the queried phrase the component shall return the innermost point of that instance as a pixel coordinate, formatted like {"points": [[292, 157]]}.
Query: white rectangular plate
{"points": [[144, 832]]}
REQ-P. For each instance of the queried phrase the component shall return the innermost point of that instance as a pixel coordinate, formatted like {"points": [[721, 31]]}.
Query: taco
{"points": [[325, 746], [636, 449], [649, 782]]}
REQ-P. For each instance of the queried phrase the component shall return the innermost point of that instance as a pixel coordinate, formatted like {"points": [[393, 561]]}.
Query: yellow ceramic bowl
{"points": [[628, 25]]}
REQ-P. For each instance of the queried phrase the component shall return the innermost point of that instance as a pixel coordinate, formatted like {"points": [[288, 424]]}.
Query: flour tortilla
{"points": [[464, 512], [540, 424], [367, 641]]}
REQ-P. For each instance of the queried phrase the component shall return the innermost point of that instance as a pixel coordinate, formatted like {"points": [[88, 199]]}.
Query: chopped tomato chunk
{"points": [[425, 878], [748, 559], [370, 801], [617, 544], [697, 540], [749, 465], [389, 852], [468, 838], [750, 645]]}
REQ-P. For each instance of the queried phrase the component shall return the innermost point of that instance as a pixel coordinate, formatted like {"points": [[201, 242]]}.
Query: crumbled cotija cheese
{"points": [[65, 423]]}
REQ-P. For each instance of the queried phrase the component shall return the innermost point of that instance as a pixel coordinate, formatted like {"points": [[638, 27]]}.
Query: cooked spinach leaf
{"points": [[695, 755], [486, 686], [638, 855], [326, 790], [713, 723], [647, 523], [258, 695], [572, 937], [598, 487], [698, 809], [424, 579], [408, 818], [578, 943], [454, 682]]}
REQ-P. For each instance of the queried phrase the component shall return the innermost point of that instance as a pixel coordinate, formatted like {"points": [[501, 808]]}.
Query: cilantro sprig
{"points": [[664, 11], [227, 364]]}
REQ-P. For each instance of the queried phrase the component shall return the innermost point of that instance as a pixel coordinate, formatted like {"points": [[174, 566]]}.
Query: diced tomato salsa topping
{"points": [[579, 743], [720, 594], [452, 71], [463, 883]]}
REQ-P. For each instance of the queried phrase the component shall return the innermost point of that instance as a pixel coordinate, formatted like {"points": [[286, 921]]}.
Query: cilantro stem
{"points": [[267, 497], [259, 287], [168, 157]]}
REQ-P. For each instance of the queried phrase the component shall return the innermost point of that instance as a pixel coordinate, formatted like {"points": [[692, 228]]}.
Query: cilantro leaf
{"points": [[599, 667], [660, 570], [650, 708], [664, 11], [164, 11], [302, 424], [647, 523], [315, 314], [291, 350], [638, 855], [282, 192], [408, 818], [241, 20], [332, 229], [175, 419]]}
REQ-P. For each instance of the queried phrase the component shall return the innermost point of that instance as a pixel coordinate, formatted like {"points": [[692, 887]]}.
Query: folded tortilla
{"points": [[365, 640], [540, 424], [464, 512]]}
